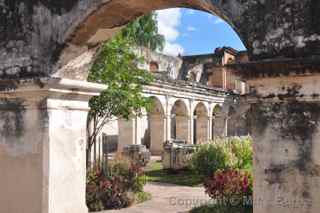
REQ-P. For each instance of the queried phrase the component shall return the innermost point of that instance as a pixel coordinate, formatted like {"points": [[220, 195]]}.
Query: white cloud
{"points": [[173, 49], [191, 29], [210, 16], [218, 21], [190, 11], [215, 19], [168, 22]]}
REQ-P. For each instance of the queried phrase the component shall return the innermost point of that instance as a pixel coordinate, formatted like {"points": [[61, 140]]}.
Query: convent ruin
{"points": [[194, 99], [47, 48]]}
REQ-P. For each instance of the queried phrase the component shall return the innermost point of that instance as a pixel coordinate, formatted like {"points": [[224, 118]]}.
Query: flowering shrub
{"points": [[115, 189], [228, 185], [241, 152], [230, 153], [209, 158]]}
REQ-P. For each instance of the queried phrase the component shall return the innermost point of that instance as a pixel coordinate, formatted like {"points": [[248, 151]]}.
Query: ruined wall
{"points": [[168, 66], [217, 77], [42, 37], [33, 33], [287, 169], [197, 66]]}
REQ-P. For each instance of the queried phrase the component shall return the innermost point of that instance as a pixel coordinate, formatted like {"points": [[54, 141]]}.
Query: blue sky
{"points": [[194, 32]]}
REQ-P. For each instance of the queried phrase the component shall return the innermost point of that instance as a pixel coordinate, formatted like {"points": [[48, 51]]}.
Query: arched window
{"points": [[154, 66]]}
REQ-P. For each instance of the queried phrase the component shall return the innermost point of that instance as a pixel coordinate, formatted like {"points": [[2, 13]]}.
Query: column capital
{"points": [[51, 86]]}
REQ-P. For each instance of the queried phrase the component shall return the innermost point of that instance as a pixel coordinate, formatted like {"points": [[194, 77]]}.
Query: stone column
{"points": [[183, 126], [210, 129], [285, 118], [43, 145], [127, 133], [168, 126], [156, 134], [192, 131], [219, 125], [202, 129]]}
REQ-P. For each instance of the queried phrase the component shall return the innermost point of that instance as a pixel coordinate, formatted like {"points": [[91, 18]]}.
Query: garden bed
{"points": [[155, 173]]}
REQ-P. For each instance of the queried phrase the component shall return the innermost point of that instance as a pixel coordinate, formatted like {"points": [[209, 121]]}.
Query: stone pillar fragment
{"points": [[43, 145], [210, 127], [182, 128], [168, 126], [285, 123], [220, 126], [157, 134], [202, 129], [127, 133]]}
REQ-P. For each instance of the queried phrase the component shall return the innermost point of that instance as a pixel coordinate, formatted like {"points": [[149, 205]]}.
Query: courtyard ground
{"points": [[168, 198], [155, 173]]}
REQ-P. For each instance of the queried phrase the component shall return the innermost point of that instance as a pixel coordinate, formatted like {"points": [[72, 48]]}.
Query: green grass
{"points": [[155, 173], [221, 209], [141, 197]]}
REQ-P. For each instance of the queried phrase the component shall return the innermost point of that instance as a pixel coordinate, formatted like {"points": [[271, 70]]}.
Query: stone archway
{"points": [[180, 121], [156, 120], [201, 124], [66, 46]]}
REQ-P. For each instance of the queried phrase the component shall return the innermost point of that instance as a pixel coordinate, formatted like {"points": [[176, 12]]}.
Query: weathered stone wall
{"points": [[168, 66], [33, 34], [284, 119], [38, 36], [287, 169]]}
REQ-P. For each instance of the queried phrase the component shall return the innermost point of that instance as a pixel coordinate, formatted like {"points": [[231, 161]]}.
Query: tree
{"points": [[144, 32], [116, 67]]}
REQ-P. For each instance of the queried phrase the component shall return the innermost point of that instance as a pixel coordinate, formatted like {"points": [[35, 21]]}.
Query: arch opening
{"points": [[110, 17], [180, 121], [218, 122], [201, 124], [102, 24], [156, 124]]}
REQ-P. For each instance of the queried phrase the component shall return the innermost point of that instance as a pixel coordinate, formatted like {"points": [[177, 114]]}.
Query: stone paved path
{"points": [[168, 198]]}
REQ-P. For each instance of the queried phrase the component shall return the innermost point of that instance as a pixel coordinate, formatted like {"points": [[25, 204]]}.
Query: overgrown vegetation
{"points": [[209, 158], [228, 185], [141, 197], [230, 153], [227, 166], [117, 186]]}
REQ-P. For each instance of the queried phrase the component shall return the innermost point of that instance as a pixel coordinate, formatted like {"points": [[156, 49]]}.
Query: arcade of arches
{"points": [[184, 109], [47, 47]]}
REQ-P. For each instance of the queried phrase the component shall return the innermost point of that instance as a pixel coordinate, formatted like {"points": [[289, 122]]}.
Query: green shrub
{"points": [[141, 197], [115, 187], [132, 174], [229, 184], [231, 189], [241, 148], [222, 154], [208, 158]]}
